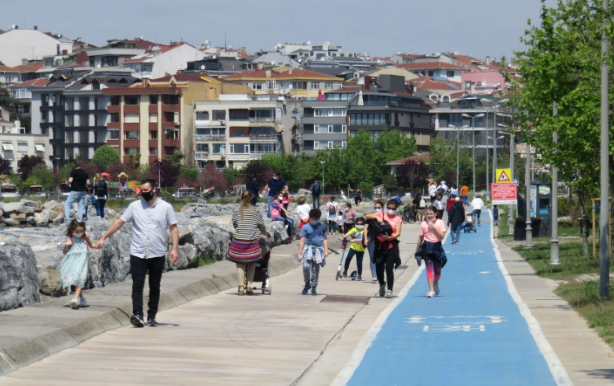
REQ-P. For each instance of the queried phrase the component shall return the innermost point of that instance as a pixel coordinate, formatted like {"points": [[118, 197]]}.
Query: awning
{"points": [[7, 146], [40, 148]]}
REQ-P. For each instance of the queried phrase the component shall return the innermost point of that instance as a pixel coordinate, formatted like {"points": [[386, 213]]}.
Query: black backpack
{"points": [[381, 229], [331, 210], [101, 188], [316, 188]]}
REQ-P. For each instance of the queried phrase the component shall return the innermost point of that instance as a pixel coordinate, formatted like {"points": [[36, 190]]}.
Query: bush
{"points": [[105, 156]]}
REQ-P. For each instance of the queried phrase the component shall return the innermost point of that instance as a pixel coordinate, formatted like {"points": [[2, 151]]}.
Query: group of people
{"points": [[85, 194]]}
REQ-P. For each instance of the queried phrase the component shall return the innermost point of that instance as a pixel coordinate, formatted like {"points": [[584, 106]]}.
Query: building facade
{"points": [[323, 124], [15, 143]]}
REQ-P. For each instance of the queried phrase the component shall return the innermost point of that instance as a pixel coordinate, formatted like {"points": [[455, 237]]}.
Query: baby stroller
{"points": [[469, 224], [262, 267]]}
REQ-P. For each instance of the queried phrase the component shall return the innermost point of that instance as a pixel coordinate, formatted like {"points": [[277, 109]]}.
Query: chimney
{"points": [[268, 73], [35, 28], [488, 60], [260, 66], [368, 82], [24, 61], [290, 70]]}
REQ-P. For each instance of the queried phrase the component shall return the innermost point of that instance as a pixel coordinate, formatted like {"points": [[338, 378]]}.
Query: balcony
{"points": [[85, 127], [264, 119], [46, 125], [132, 109], [258, 154], [51, 107], [84, 111], [210, 137], [201, 155], [114, 108], [263, 138]]}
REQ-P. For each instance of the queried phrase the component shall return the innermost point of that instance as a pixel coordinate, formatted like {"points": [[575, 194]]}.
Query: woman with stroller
{"points": [[245, 247]]}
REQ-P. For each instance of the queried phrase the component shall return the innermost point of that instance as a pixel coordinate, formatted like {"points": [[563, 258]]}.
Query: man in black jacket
{"points": [[456, 218]]}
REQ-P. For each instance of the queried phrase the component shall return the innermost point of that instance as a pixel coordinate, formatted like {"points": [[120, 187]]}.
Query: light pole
{"points": [[159, 165], [554, 241], [527, 179], [458, 152], [322, 162], [473, 143], [604, 223]]}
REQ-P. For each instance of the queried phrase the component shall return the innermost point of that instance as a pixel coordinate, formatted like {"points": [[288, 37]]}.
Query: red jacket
{"points": [[449, 203]]}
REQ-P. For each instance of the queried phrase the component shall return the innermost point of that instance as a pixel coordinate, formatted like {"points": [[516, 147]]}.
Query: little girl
{"points": [[285, 200], [340, 222], [356, 247], [429, 248], [74, 264]]}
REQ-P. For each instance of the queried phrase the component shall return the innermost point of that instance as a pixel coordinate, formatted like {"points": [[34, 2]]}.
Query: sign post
{"points": [[504, 194], [504, 176]]}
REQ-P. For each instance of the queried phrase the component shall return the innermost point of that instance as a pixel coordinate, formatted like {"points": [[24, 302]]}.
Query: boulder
{"points": [[58, 219], [18, 216], [11, 222], [11, 207], [18, 275]]}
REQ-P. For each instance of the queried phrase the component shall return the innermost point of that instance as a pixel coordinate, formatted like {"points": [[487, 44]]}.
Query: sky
{"points": [[380, 28]]}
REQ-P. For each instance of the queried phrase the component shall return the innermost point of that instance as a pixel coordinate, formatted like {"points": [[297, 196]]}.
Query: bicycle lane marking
{"points": [[476, 333]]}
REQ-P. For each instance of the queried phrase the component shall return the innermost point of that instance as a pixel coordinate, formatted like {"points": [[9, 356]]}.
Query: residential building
{"points": [[232, 131], [298, 83], [385, 103], [160, 61], [217, 66], [324, 123], [28, 70], [439, 89], [155, 118], [30, 44], [111, 58], [271, 59], [483, 82], [22, 93], [390, 70], [15, 143], [449, 71]]}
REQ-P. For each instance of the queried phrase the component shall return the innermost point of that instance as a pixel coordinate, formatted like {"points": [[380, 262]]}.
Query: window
{"points": [[8, 154], [270, 85], [22, 146], [213, 131], [299, 85], [431, 73], [202, 115], [238, 132], [315, 85], [202, 148], [153, 118], [218, 148], [153, 134], [131, 135], [239, 148], [450, 74], [131, 100], [256, 86], [238, 115], [170, 99], [114, 134], [114, 118], [153, 151], [131, 118], [115, 100], [219, 115], [320, 129], [169, 116], [369, 119], [153, 99], [131, 150], [171, 134], [329, 85], [336, 129]]}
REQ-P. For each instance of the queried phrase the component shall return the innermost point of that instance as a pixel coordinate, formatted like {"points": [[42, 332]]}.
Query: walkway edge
{"points": [[41, 346], [554, 363]]}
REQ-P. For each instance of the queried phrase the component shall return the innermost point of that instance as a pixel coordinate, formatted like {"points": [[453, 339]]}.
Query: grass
{"points": [[570, 256], [204, 260]]}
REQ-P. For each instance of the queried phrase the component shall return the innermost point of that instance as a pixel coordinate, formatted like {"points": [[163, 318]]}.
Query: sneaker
{"points": [[306, 289], [389, 294], [374, 279], [83, 302], [74, 303], [313, 291], [345, 274], [382, 290], [436, 289], [358, 278], [152, 322], [431, 294], [137, 320]]}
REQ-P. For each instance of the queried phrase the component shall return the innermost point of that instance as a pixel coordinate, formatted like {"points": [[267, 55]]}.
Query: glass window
{"points": [[153, 118], [329, 85], [202, 148], [238, 132], [219, 115], [202, 115], [131, 151], [239, 148], [315, 85], [22, 146], [113, 134], [218, 148], [153, 135], [153, 99], [131, 135], [171, 134], [153, 151], [131, 100], [256, 86]]}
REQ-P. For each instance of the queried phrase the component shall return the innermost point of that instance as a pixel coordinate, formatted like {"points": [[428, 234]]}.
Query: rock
{"points": [[20, 216], [11, 222], [51, 204], [58, 219], [18, 276], [30, 220], [11, 207], [29, 203]]}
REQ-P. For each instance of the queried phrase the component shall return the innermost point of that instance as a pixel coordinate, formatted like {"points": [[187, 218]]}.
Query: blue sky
{"points": [[380, 28]]}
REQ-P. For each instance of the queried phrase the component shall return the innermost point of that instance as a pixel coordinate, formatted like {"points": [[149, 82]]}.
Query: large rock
{"points": [[18, 276]]}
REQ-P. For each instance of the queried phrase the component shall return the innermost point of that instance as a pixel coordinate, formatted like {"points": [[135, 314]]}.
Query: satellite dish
{"points": [[300, 60], [207, 42], [202, 67], [273, 62], [214, 57], [142, 38], [309, 43], [230, 47]]}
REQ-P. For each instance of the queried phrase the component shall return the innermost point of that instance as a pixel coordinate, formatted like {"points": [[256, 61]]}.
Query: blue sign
{"points": [[516, 181]]}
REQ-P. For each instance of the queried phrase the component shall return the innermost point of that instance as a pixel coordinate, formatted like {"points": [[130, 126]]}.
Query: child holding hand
{"points": [[74, 265]]}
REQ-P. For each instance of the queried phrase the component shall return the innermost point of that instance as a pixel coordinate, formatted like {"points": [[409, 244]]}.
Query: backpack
{"points": [[101, 189], [351, 215], [331, 209], [316, 188], [422, 203]]}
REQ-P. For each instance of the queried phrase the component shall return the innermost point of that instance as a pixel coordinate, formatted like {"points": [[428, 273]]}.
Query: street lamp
{"points": [[527, 178], [473, 141], [322, 162], [458, 151]]}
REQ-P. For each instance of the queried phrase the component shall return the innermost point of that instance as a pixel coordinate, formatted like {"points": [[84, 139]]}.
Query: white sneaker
{"points": [[83, 302], [436, 289], [74, 303], [431, 294], [389, 294], [374, 279]]}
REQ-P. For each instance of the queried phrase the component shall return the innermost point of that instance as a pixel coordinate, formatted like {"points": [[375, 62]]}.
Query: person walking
{"points": [[432, 191], [495, 215], [348, 218], [370, 225], [101, 189], [357, 195], [387, 256], [316, 190], [245, 245], [331, 209], [73, 269], [278, 213], [419, 207], [275, 185], [454, 190], [429, 249], [312, 250], [456, 218], [449, 202], [79, 183], [302, 210], [150, 217], [252, 186], [357, 247], [464, 191], [87, 204], [440, 206], [476, 205]]}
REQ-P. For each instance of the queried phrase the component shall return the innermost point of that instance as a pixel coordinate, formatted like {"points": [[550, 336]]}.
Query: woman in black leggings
{"points": [[386, 256]]}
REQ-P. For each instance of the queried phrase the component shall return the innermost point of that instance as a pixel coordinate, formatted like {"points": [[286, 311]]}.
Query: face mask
{"points": [[391, 211], [147, 196], [360, 227], [379, 210], [314, 222], [274, 177], [78, 235]]}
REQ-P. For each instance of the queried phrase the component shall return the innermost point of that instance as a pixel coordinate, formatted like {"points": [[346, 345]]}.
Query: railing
{"points": [[239, 118], [264, 119], [263, 138], [210, 137], [200, 154], [258, 154]]}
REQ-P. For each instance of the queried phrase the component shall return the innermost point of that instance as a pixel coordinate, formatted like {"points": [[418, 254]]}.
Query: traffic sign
{"points": [[504, 176], [504, 194]]}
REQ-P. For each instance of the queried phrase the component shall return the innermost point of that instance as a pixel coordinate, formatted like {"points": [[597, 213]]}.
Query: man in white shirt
{"points": [[150, 217], [331, 209], [477, 204], [432, 191]]}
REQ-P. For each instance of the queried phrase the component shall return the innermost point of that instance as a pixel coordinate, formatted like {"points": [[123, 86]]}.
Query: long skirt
{"points": [[244, 252]]}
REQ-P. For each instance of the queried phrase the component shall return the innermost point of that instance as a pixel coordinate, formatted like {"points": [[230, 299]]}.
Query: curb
{"points": [[178, 287]]}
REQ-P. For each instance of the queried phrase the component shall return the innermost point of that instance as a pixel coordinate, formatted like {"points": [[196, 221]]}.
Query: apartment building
{"points": [[236, 129], [324, 123], [15, 143], [155, 118], [160, 61], [297, 83]]}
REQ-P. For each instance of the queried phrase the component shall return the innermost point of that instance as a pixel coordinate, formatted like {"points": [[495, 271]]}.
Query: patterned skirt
{"points": [[244, 252]]}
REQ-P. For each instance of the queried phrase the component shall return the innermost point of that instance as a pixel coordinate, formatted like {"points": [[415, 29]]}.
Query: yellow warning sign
{"points": [[504, 176]]}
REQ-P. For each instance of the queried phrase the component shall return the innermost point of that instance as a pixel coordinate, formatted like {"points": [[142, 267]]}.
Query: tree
{"points": [[443, 161], [105, 156], [365, 162], [412, 174], [41, 175], [395, 145], [260, 170], [26, 164], [169, 173], [210, 177], [5, 166]]}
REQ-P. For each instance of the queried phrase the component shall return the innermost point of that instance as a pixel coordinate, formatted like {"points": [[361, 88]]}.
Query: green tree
{"points": [[365, 162], [442, 162], [105, 156], [41, 175], [395, 145]]}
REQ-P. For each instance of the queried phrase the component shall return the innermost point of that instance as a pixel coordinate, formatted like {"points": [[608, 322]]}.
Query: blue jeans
{"points": [[359, 257], [316, 197], [332, 226], [371, 249], [100, 208], [288, 221], [456, 229], [268, 212], [465, 199], [72, 197]]}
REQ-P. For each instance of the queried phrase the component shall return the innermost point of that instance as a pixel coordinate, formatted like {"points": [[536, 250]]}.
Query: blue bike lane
{"points": [[473, 333]]}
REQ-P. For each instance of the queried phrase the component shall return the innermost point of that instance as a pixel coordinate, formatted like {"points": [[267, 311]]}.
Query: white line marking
{"points": [[554, 363]]}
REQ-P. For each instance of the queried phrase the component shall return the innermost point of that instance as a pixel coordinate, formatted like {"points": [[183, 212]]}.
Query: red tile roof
{"points": [[276, 74], [32, 83], [140, 44], [430, 66], [28, 67], [188, 77], [468, 61], [427, 83], [409, 56]]}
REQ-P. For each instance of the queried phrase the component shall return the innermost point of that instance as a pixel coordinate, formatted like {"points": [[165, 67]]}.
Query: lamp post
{"points": [[554, 241], [473, 143], [604, 223], [527, 178], [458, 152], [322, 162]]}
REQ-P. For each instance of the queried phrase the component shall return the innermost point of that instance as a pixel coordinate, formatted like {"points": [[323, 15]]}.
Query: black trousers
{"points": [[139, 269], [384, 262]]}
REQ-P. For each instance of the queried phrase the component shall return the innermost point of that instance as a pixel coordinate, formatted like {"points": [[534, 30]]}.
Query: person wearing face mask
{"points": [[73, 269], [429, 249], [370, 239], [151, 216], [312, 250], [387, 256], [275, 186], [348, 218], [356, 246]]}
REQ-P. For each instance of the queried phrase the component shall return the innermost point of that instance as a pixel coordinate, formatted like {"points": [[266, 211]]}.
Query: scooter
{"points": [[343, 244]]}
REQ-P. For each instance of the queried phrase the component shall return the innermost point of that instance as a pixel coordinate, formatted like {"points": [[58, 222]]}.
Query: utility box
{"points": [[541, 206]]}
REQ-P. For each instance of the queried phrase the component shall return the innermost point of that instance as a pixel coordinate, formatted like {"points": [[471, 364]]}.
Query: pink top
{"points": [[429, 234], [393, 221], [285, 200], [275, 211]]}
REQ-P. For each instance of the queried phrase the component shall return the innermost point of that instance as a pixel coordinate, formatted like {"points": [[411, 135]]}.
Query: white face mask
{"points": [[379, 210], [360, 227], [78, 235], [392, 211], [274, 177]]}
